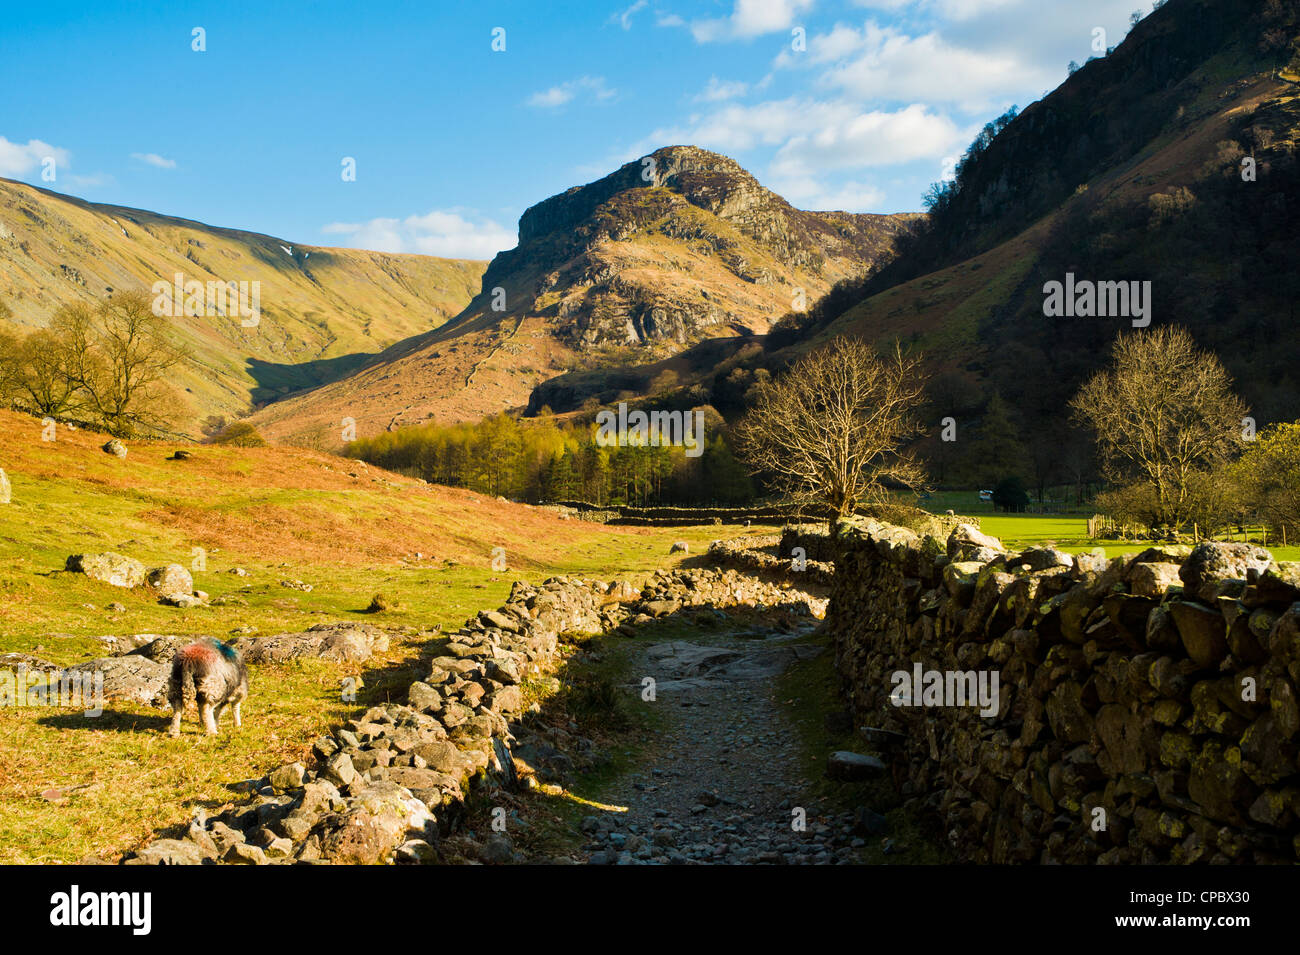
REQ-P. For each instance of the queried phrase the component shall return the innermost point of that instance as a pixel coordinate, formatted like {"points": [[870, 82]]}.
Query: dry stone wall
{"points": [[389, 784], [1146, 705]]}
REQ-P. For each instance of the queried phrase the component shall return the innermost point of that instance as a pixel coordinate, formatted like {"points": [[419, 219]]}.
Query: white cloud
{"points": [[565, 92], [948, 9], [444, 233], [885, 64], [851, 141], [750, 18], [669, 20], [809, 193], [717, 91], [18, 159], [97, 179], [814, 136], [624, 19], [153, 159]]}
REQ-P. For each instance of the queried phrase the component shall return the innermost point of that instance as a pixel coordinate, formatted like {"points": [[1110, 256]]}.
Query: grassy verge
{"points": [[809, 690]]}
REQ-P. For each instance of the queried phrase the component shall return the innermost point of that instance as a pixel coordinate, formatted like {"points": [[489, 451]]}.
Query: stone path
{"points": [[724, 779]]}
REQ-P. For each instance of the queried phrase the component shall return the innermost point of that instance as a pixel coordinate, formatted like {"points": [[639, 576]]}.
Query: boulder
{"points": [[171, 579], [1203, 632], [168, 852], [6, 491], [966, 541], [134, 678], [108, 568], [1152, 580], [160, 649], [378, 819], [1212, 562], [680, 547], [329, 641], [115, 448], [1041, 558], [852, 767], [289, 776]]}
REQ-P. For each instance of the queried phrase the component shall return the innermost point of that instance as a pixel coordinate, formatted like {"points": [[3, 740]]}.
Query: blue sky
{"points": [[453, 140]]}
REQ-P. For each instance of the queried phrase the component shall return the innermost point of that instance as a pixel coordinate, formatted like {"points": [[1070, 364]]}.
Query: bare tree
{"points": [[831, 427], [43, 374], [1164, 413], [121, 365]]}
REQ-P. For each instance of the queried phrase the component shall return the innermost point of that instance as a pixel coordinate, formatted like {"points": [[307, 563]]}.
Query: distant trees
{"points": [[1266, 479], [1164, 416], [831, 428], [107, 365], [545, 459]]}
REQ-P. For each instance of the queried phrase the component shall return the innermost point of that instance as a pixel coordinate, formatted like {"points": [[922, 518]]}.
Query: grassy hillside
{"points": [[282, 514], [324, 312]]}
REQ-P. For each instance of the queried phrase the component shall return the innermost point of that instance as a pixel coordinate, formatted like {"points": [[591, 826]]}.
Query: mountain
{"points": [[1171, 160], [679, 247], [324, 311]]}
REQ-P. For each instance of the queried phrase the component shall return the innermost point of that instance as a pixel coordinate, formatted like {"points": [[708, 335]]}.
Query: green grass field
{"points": [[74, 787]]}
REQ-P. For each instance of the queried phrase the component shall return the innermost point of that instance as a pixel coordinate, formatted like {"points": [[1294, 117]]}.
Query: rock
{"points": [[662, 608], [6, 490], [500, 621], [181, 600], [378, 819], [869, 823], [423, 697], [1213, 561], [280, 848], [180, 455], [108, 568], [853, 767], [415, 852], [1203, 632], [339, 769], [160, 649], [965, 539], [244, 854], [1041, 558], [1152, 580], [131, 677], [171, 579], [330, 641], [497, 850], [115, 448], [509, 700], [168, 852], [289, 776], [680, 547]]}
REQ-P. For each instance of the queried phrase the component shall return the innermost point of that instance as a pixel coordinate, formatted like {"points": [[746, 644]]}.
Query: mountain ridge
{"points": [[622, 268], [325, 310]]}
